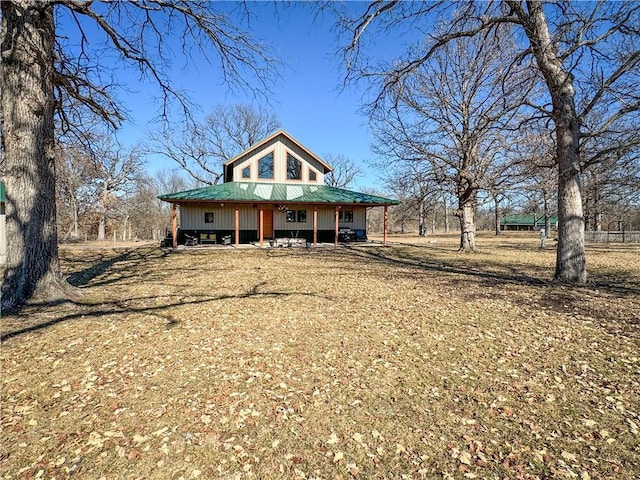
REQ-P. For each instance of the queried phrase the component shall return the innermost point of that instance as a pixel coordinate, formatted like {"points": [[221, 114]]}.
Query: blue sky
{"points": [[308, 100]]}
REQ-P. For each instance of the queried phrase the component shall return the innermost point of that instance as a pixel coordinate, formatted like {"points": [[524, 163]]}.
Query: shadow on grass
{"points": [[456, 272], [104, 263], [158, 310], [582, 300]]}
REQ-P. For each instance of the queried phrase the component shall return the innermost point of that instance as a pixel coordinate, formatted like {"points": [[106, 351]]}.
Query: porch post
{"points": [[386, 220], [315, 225], [261, 227], [335, 238], [237, 225], [174, 224]]}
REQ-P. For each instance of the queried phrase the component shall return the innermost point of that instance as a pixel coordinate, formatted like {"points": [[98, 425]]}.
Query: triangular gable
{"points": [[270, 138]]}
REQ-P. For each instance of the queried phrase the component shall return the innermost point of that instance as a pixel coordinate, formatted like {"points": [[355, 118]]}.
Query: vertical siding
{"points": [[326, 218], [192, 217]]}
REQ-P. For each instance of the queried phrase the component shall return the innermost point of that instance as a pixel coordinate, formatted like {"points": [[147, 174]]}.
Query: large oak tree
{"points": [[42, 73], [587, 56]]}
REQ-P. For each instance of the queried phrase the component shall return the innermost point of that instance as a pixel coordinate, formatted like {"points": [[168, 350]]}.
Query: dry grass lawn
{"points": [[407, 361]]}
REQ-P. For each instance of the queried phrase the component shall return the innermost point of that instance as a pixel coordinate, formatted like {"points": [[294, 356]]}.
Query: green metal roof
{"points": [[525, 220], [3, 193], [275, 193]]}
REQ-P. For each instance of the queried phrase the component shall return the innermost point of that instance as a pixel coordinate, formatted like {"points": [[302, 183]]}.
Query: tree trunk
{"points": [[546, 212], [26, 83], [571, 264], [124, 228], [102, 227], [496, 214], [466, 214], [76, 233], [422, 218], [446, 214], [570, 258]]}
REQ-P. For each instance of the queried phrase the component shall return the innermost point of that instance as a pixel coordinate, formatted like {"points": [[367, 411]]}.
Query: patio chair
{"points": [[190, 241]]}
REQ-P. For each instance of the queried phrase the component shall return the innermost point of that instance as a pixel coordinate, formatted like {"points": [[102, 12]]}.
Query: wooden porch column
{"points": [[336, 225], [237, 225], [386, 219], [261, 227], [315, 225], [174, 224]]}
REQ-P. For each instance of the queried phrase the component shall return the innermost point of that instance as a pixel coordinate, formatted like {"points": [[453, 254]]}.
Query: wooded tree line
{"points": [[452, 109]]}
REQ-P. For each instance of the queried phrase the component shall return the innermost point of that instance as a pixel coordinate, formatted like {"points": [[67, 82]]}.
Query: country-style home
{"points": [[272, 194]]}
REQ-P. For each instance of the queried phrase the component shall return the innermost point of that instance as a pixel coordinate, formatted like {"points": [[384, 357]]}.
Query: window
{"points": [[265, 166], [299, 216], [208, 217], [294, 168], [246, 172], [312, 175], [345, 216]]}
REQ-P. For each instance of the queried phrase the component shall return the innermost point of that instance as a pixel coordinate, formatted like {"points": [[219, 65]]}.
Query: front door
{"points": [[267, 217]]}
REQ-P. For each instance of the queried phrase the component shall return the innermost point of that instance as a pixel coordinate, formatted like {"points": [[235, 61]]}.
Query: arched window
{"points": [[265, 166], [294, 168]]}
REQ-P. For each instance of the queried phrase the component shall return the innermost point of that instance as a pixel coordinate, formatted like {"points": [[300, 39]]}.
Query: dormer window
{"points": [[265, 166], [294, 168]]}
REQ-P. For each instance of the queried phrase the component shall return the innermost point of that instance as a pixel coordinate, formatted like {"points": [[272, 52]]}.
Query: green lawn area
{"points": [[404, 361]]}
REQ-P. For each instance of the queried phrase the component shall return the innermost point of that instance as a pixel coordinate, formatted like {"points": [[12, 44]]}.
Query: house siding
{"points": [[192, 218], [326, 219]]}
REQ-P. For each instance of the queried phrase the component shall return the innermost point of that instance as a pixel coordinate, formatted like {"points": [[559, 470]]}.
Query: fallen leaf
{"points": [[333, 439], [465, 457]]}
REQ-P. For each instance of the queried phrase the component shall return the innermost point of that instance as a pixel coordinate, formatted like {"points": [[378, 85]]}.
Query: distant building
{"points": [[526, 222]]}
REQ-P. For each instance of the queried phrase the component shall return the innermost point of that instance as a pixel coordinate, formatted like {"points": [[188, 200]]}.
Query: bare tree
{"points": [[73, 192], [116, 170], [40, 71], [586, 53], [203, 147], [413, 183], [345, 171], [611, 190], [449, 113], [536, 162]]}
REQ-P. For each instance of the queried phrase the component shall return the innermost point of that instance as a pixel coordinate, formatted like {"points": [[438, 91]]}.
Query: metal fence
{"points": [[613, 237]]}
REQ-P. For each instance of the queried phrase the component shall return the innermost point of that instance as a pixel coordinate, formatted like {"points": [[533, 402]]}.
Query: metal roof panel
{"points": [[275, 193]]}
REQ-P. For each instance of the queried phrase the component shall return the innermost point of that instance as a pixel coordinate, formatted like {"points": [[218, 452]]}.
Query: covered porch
{"points": [[271, 225]]}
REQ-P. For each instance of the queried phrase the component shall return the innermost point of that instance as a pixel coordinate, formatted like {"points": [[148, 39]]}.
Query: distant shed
{"points": [[526, 222]]}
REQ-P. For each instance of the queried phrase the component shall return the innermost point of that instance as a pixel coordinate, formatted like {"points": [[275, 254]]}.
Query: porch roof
{"points": [[254, 192]]}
